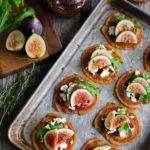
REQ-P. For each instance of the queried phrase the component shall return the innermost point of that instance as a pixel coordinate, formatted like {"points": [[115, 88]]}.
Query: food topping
{"points": [[118, 121], [103, 147], [55, 134], [103, 62], [126, 30], [138, 87], [79, 93]]}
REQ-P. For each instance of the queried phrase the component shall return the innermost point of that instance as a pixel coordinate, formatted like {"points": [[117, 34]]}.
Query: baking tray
{"points": [[41, 102]]}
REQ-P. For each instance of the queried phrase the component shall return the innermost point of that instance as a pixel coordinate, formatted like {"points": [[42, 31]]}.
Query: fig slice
{"points": [[110, 120], [141, 80], [63, 135], [123, 26], [120, 120], [127, 37], [35, 46], [80, 97], [15, 41], [101, 52], [136, 88], [98, 62], [50, 139]]}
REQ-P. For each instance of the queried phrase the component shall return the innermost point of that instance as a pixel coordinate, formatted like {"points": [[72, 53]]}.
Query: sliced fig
{"points": [[103, 147], [109, 120], [50, 139], [63, 135], [120, 120], [72, 88], [101, 52], [35, 46], [98, 62], [141, 80], [80, 97], [127, 37], [15, 41], [123, 26], [136, 88], [32, 25]]}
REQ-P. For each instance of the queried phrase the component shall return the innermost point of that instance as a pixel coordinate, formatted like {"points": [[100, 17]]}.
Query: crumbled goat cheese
{"points": [[148, 80], [132, 117], [72, 108], [64, 88], [63, 96], [66, 127], [62, 146], [110, 51], [71, 142], [103, 147], [111, 68], [111, 131], [111, 30], [137, 73], [70, 83], [122, 133], [47, 127], [105, 73], [102, 47], [131, 96], [58, 120]]}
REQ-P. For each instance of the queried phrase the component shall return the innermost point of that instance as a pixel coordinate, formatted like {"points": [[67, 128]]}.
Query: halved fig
{"points": [[123, 26], [98, 62], [127, 37], [35, 46], [110, 120], [141, 80], [50, 139], [15, 41], [63, 135], [136, 88], [80, 97], [101, 52], [120, 120]]}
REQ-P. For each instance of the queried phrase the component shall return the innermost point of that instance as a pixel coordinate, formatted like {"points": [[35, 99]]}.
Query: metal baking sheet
{"points": [[69, 63]]}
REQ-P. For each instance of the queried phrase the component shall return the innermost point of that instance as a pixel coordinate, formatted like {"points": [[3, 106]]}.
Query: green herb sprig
{"points": [[125, 127], [89, 86], [11, 94], [115, 63], [122, 111]]}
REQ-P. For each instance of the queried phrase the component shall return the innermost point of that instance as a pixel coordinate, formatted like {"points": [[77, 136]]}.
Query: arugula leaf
{"points": [[59, 126], [145, 98], [121, 17], [115, 63], [89, 86], [146, 75], [26, 13], [122, 111], [136, 23], [41, 132], [125, 127]]}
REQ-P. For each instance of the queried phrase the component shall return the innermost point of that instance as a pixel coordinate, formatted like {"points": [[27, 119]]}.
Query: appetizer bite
{"points": [[147, 58], [119, 125], [76, 95], [54, 133], [133, 88], [100, 63], [96, 144], [123, 32]]}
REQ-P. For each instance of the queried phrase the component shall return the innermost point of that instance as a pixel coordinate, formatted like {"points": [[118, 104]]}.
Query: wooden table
{"points": [[66, 28]]}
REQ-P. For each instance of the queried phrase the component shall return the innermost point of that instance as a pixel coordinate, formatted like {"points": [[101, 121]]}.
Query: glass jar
{"points": [[66, 7]]}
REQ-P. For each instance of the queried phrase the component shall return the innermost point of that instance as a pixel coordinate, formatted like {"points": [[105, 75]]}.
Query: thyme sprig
{"points": [[11, 94]]}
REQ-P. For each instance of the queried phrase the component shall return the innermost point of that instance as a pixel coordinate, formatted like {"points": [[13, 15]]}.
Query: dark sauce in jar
{"points": [[66, 7]]}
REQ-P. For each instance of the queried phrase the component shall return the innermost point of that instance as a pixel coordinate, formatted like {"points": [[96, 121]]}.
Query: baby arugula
{"points": [[89, 86]]}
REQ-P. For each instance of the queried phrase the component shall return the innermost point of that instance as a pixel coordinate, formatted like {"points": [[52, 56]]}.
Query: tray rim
{"points": [[16, 137]]}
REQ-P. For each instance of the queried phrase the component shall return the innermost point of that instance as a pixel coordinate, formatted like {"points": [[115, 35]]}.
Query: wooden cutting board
{"points": [[11, 62]]}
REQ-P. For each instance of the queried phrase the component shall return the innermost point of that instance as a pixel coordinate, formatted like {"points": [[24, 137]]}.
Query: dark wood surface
{"points": [[66, 28], [11, 62]]}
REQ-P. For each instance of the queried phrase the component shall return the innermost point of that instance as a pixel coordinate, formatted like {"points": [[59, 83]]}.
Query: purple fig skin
{"points": [[32, 25]]}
